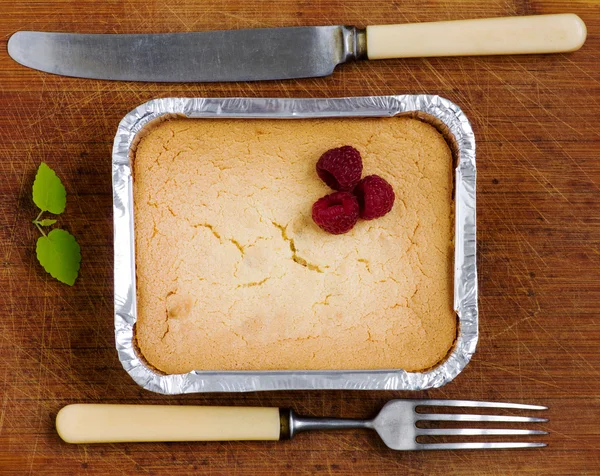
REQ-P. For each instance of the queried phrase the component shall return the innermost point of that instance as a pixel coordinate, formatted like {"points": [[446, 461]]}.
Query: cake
{"points": [[233, 274]]}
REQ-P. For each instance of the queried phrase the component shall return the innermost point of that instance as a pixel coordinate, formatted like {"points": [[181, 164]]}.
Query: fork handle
{"points": [[102, 423], [105, 423]]}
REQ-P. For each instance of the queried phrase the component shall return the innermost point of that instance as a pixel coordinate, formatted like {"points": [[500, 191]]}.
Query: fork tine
{"points": [[475, 431], [466, 417], [473, 403], [477, 446]]}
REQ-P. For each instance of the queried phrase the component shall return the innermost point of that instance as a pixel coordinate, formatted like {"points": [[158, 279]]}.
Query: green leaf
{"points": [[46, 222], [49, 194], [60, 255]]}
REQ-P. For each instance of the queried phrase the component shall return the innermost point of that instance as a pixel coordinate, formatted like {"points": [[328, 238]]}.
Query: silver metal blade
{"points": [[235, 55]]}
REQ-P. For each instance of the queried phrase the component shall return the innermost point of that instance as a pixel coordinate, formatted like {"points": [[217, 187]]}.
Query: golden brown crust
{"points": [[232, 274]]}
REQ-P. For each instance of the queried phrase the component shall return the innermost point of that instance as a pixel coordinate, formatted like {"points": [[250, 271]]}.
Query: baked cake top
{"points": [[232, 273]]}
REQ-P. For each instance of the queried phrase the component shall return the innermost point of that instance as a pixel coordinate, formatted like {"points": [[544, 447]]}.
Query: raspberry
{"points": [[340, 168], [375, 197], [336, 213]]}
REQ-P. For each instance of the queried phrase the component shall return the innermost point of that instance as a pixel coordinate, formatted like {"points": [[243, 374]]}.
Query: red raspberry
{"points": [[336, 213], [340, 168], [375, 197]]}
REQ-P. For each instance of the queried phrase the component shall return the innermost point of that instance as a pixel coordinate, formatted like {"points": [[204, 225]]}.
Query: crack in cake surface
{"points": [[295, 257]]}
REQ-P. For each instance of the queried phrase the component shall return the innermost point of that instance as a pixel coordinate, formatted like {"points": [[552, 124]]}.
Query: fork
{"points": [[396, 424]]}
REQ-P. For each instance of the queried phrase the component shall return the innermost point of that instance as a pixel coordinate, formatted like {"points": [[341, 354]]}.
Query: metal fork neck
{"points": [[292, 423]]}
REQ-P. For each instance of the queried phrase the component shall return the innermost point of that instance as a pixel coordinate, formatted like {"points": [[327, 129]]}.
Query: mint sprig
{"points": [[58, 251]]}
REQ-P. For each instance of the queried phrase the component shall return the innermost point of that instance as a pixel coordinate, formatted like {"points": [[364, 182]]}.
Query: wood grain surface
{"points": [[538, 139]]}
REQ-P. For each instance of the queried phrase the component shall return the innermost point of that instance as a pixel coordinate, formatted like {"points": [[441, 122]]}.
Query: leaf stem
{"points": [[39, 216], [39, 228]]}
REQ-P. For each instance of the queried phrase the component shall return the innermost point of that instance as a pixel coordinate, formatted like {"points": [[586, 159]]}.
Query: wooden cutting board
{"points": [[538, 139]]}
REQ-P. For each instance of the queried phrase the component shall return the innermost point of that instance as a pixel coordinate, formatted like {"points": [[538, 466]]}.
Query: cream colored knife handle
{"points": [[491, 36], [96, 423]]}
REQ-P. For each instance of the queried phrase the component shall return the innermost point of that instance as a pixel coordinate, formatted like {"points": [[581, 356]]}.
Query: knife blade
{"points": [[236, 55], [284, 53]]}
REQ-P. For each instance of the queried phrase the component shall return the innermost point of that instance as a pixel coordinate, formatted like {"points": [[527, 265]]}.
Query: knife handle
{"points": [[99, 423], [489, 36]]}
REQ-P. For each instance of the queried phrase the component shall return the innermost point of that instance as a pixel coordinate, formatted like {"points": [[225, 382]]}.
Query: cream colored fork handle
{"points": [[98, 423], [490, 36]]}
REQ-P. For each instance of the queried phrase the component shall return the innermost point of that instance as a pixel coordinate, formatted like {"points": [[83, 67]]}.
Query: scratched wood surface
{"points": [[538, 139]]}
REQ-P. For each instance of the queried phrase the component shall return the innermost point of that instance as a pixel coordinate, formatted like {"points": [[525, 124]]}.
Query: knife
{"points": [[284, 53]]}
